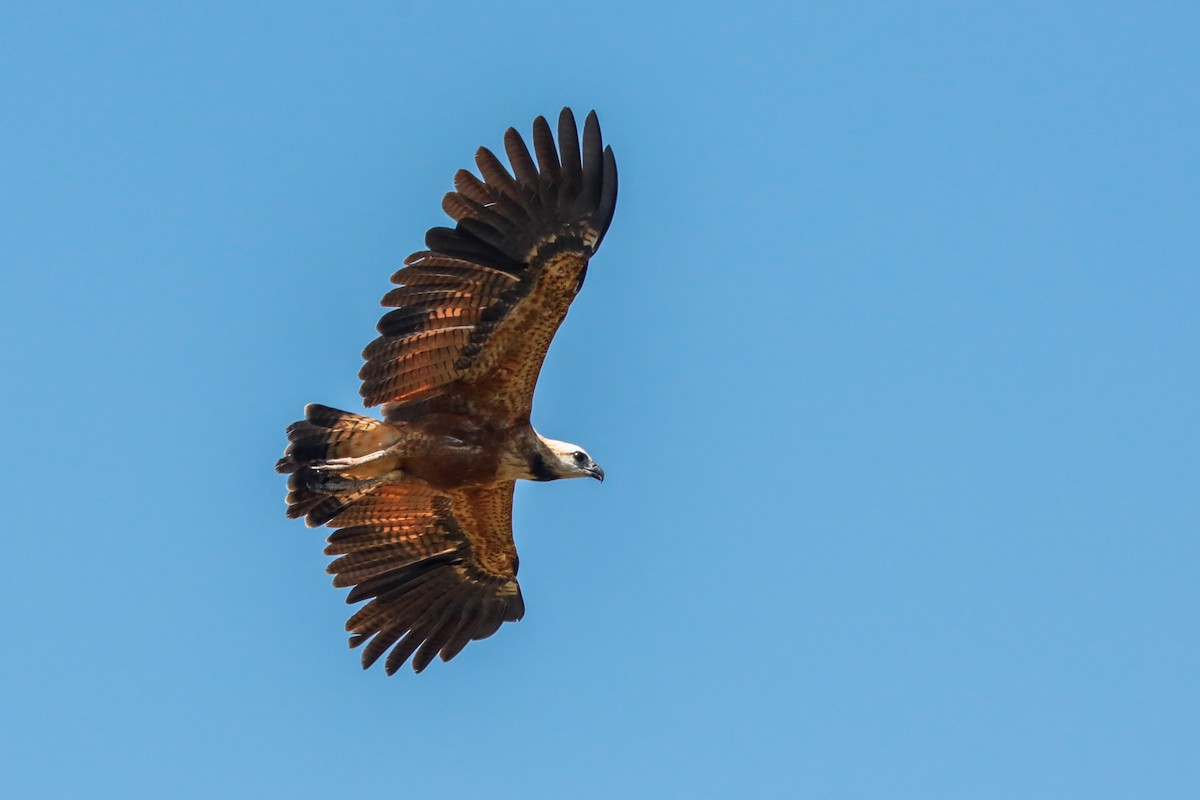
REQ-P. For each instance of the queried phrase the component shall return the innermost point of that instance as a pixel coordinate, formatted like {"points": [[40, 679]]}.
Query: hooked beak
{"points": [[596, 472]]}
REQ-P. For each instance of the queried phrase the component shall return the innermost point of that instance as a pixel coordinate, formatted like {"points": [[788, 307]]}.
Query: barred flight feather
{"points": [[518, 156], [468, 185], [398, 551], [495, 175], [468, 623], [435, 634], [381, 531]]}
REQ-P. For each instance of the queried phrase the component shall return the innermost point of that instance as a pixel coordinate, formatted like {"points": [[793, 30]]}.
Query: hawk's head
{"points": [[556, 460]]}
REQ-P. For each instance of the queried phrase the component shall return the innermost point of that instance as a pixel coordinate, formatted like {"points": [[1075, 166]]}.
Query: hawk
{"points": [[421, 500]]}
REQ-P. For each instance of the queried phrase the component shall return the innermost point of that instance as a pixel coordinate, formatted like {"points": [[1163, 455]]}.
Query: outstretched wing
{"points": [[476, 311], [439, 570]]}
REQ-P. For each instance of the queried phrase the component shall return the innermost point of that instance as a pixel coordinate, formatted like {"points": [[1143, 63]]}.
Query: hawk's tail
{"points": [[320, 459]]}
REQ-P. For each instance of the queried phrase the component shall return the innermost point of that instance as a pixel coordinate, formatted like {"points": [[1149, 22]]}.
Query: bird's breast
{"points": [[457, 451]]}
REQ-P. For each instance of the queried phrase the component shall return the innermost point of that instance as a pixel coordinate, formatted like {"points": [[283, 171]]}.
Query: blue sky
{"points": [[890, 355]]}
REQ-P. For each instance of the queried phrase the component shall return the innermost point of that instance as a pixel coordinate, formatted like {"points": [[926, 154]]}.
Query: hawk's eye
{"points": [[580, 457]]}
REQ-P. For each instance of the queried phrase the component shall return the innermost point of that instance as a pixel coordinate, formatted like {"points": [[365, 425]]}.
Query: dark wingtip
{"points": [[607, 206], [568, 148], [593, 166]]}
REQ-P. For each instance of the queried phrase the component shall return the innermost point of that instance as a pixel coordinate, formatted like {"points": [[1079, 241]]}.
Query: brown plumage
{"points": [[422, 499]]}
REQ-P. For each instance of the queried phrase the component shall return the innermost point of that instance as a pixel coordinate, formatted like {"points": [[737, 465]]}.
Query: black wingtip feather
{"points": [[547, 154], [568, 150], [405, 648], [593, 165], [468, 622], [519, 158], [403, 578], [457, 243], [436, 635], [501, 217], [494, 173], [607, 205]]}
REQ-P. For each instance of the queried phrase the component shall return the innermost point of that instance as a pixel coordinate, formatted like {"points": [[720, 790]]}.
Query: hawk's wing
{"points": [[476, 312], [440, 568]]}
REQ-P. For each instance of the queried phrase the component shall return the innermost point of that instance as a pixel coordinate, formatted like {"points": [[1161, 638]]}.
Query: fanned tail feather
{"points": [[323, 435]]}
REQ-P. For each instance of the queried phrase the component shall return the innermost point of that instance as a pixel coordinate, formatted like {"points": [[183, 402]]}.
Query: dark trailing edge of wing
{"points": [[472, 276]]}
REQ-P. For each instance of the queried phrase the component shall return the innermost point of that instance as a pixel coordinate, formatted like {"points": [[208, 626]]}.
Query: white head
{"points": [[563, 460]]}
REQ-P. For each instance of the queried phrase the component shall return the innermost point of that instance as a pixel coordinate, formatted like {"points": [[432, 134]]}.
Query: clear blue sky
{"points": [[892, 356]]}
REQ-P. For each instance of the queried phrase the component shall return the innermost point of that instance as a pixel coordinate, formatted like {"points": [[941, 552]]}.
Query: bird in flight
{"points": [[422, 500]]}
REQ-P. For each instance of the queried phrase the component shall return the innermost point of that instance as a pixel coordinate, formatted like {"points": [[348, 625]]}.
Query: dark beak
{"points": [[597, 473]]}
